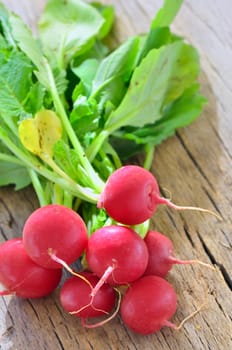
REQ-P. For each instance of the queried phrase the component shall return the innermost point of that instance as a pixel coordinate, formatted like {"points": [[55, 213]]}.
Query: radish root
{"points": [[101, 323], [67, 267], [103, 279], [174, 260], [170, 204], [177, 328]]}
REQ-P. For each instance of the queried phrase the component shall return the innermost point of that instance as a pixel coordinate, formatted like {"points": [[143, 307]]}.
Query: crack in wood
{"points": [[56, 334], [165, 339], [90, 345], [221, 308], [128, 334], [221, 139], [33, 308], [229, 245], [172, 220], [8, 314], [7, 333], [3, 234], [213, 260], [188, 235], [212, 201], [31, 199], [59, 340], [193, 159], [11, 220]]}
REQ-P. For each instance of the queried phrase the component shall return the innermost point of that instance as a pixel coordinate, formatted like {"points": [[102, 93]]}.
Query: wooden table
{"points": [[195, 165]]}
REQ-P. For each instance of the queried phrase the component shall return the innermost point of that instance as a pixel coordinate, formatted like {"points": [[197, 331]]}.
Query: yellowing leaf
{"points": [[39, 134]]}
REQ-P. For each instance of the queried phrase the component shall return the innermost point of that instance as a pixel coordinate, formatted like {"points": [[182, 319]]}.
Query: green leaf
{"points": [[160, 33], [66, 159], [68, 28], [69, 161], [35, 98], [162, 76], [83, 107], [14, 174], [39, 134], [166, 14], [30, 46], [32, 49], [6, 27], [15, 82], [114, 71], [107, 11], [125, 146], [180, 113], [86, 71], [156, 38]]}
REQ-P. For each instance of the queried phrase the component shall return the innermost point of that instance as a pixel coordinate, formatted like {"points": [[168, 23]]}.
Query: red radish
{"points": [[22, 276], [131, 196], [75, 297], [148, 305], [57, 229], [117, 254], [161, 255]]}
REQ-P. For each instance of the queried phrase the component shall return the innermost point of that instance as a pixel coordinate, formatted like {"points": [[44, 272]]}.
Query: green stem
{"points": [[100, 87], [95, 180], [113, 153], [47, 159], [149, 149], [32, 162], [95, 146], [68, 199], [58, 194], [142, 229], [10, 123], [10, 159], [38, 188]]}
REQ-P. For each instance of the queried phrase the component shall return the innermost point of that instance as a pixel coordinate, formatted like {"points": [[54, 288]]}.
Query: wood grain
{"points": [[195, 165]]}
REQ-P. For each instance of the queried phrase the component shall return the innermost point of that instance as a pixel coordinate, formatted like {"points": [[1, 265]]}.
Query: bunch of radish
{"points": [[125, 273]]}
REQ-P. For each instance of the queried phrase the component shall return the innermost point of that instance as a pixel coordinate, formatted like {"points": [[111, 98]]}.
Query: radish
{"points": [[148, 305], [75, 297], [117, 254], [131, 196], [161, 255], [22, 276], [54, 229]]}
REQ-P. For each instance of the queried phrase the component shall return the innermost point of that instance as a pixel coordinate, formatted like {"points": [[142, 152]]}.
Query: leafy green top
{"points": [[71, 110]]}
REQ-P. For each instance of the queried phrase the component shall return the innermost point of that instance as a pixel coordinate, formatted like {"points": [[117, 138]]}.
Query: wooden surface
{"points": [[195, 166]]}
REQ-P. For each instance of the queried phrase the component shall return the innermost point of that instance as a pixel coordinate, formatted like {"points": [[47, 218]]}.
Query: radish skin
{"points": [[131, 196], [161, 255], [23, 277], [57, 229], [148, 305], [117, 254], [75, 297]]}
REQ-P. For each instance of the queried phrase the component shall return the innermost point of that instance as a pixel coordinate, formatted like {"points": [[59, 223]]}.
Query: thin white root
{"points": [[177, 328], [68, 268], [170, 204], [101, 323], [190, 316]]}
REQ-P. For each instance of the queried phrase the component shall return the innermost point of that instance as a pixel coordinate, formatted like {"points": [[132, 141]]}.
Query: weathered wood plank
{"points": [[195, 166]]}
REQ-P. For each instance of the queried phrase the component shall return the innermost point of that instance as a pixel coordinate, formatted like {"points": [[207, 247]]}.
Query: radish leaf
{"points": [[162, 76], [40, 134], [68, 28]]}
